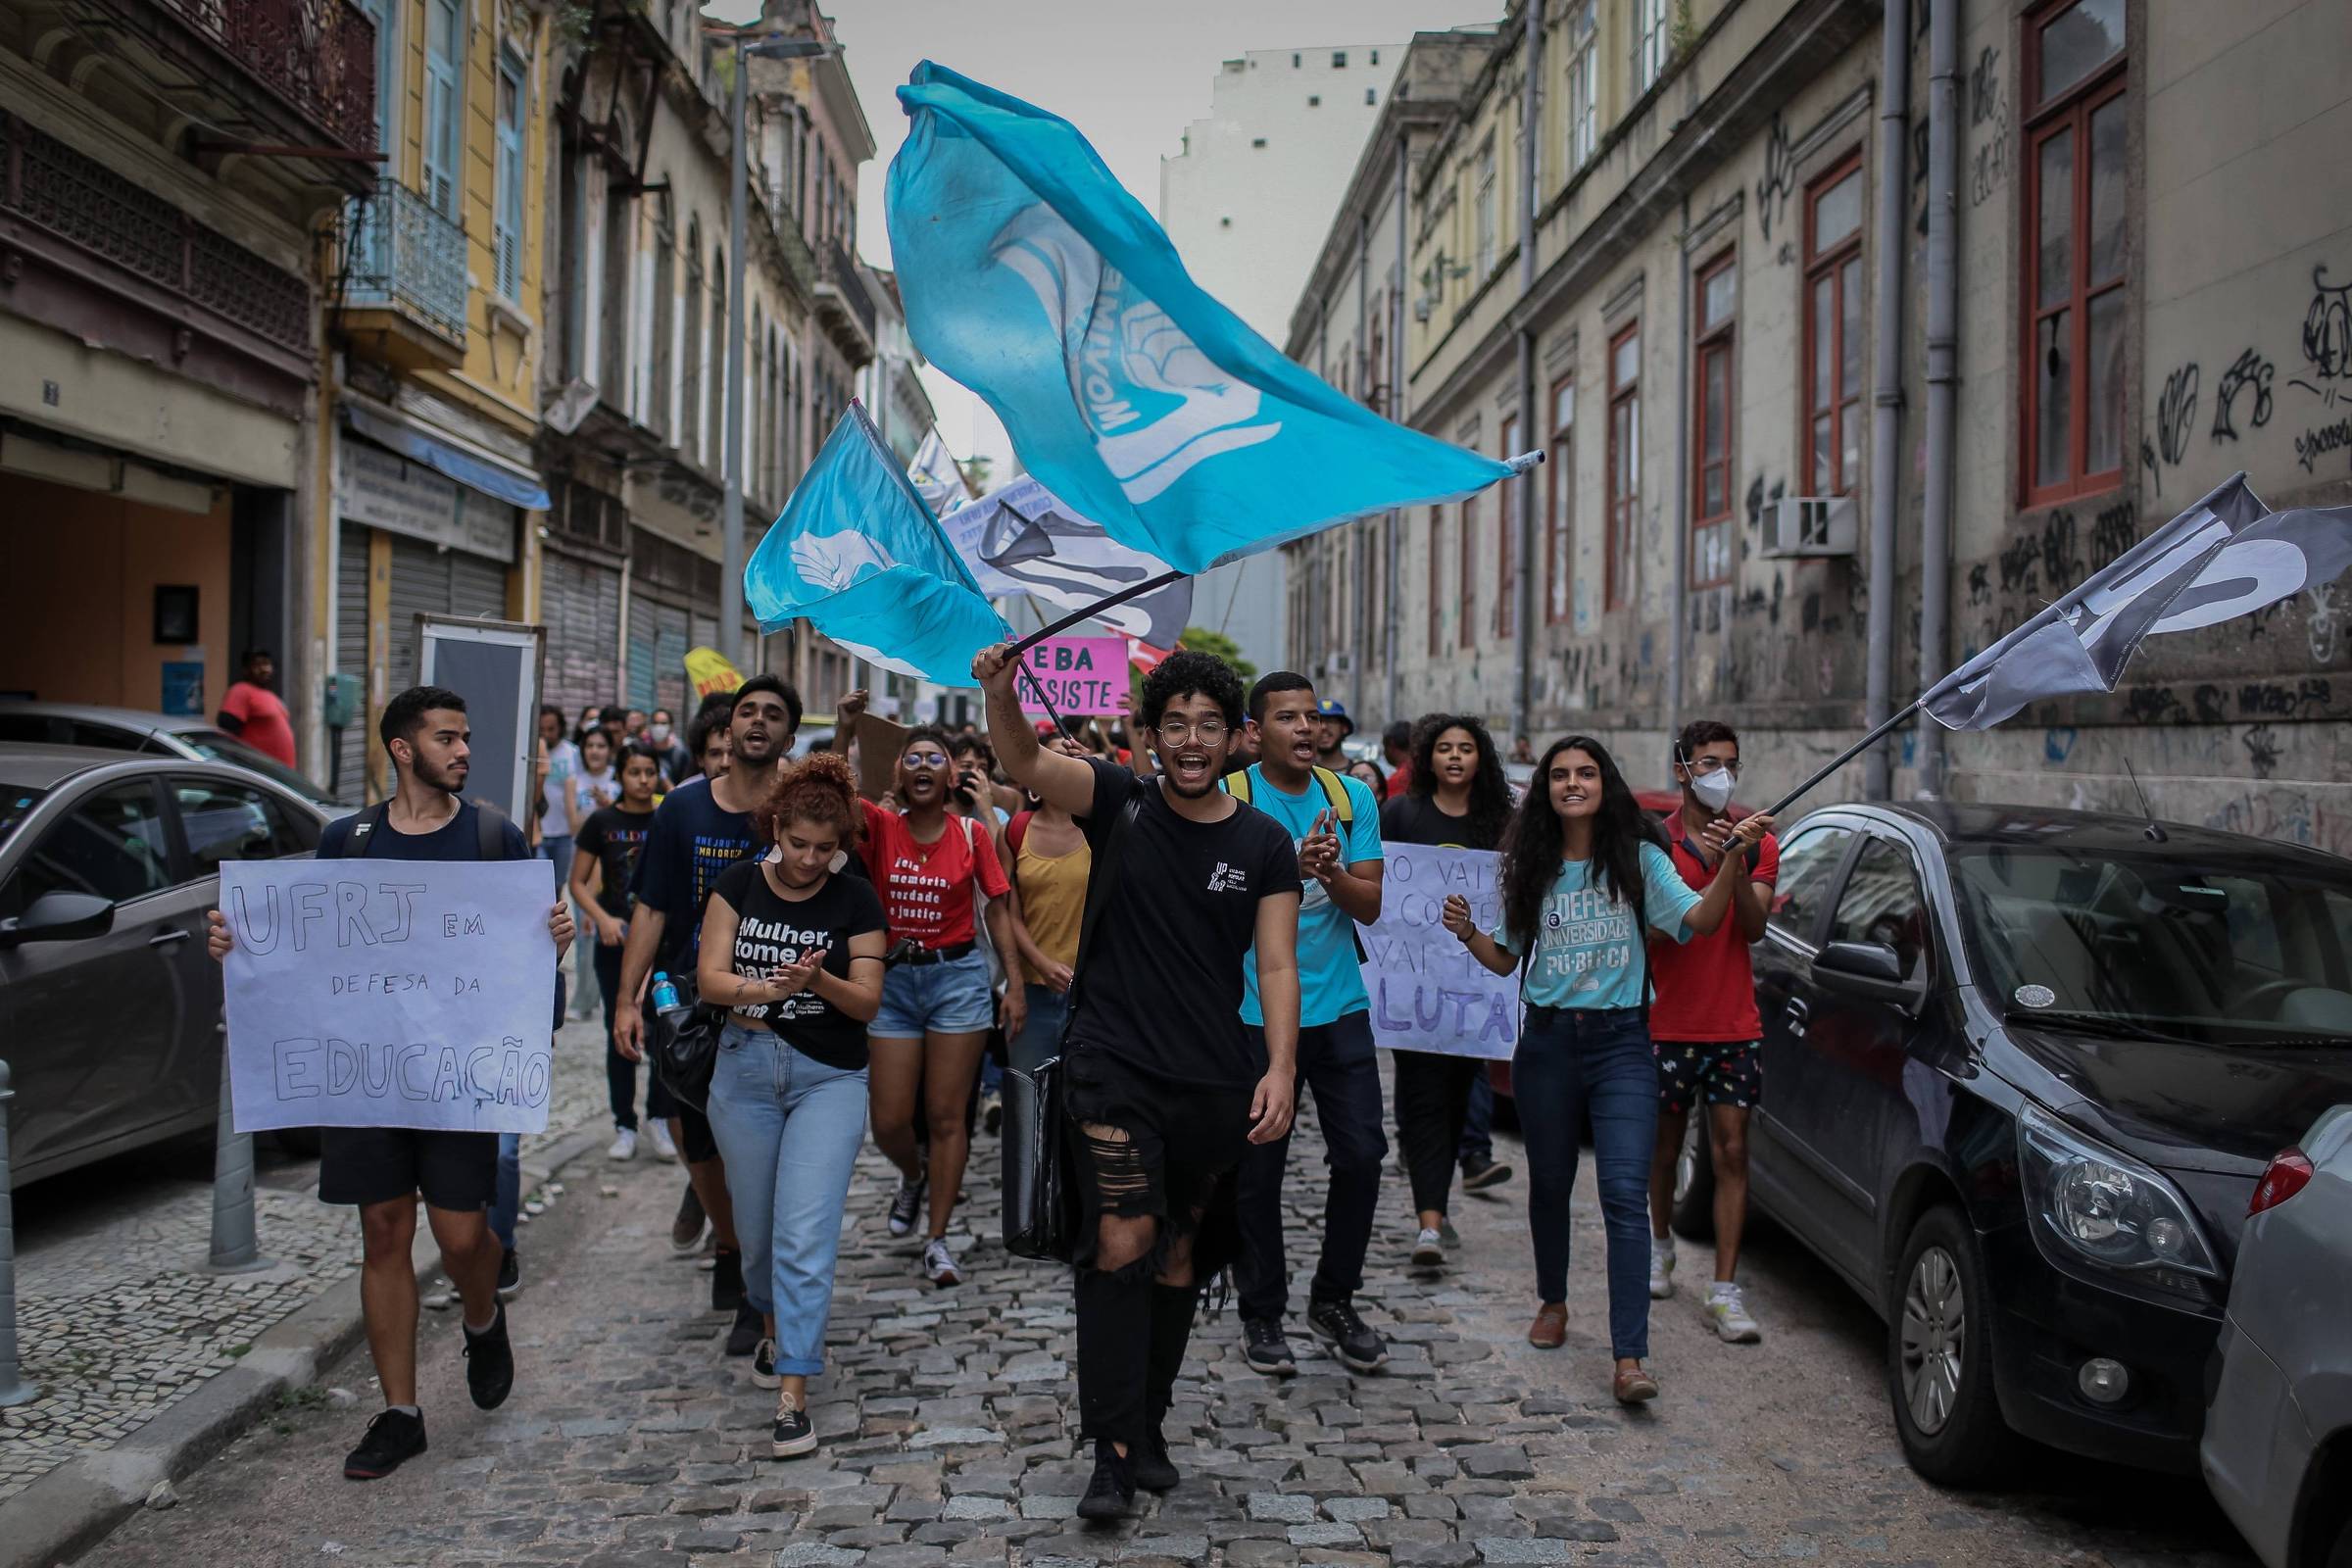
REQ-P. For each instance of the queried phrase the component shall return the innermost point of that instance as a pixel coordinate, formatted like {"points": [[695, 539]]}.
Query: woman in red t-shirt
{"points": [[937, 1003]]}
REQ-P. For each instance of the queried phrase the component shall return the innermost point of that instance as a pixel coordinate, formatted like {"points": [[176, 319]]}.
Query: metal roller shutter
{"points": [[351, 658], [429, 581], [579, 602], [671, 628]]}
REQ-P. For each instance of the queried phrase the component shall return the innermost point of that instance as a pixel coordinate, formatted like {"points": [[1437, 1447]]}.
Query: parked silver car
{"points": [[126, 729], [2278, 1445], [110, 1010]]}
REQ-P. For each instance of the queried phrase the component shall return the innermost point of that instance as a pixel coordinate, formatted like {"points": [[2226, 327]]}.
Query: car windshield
{"points": [[216, 746], [16, 804], [2217, 950]]}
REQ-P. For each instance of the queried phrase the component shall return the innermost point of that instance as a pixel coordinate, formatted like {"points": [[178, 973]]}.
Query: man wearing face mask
{"points": [[679, 764], [1704, 1021]]}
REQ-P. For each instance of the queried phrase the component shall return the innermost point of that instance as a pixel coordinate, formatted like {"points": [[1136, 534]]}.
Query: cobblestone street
{"points": [[947, 1419]]}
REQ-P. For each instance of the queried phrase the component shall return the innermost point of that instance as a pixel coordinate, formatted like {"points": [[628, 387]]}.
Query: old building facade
{"points": [[1782, 308]]}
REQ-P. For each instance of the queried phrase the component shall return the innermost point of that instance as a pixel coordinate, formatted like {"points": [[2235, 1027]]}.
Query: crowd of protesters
{"points": [[1171, 911]]}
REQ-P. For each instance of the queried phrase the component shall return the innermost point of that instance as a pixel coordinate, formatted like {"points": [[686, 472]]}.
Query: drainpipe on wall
{"points": [[1886, 378], [1396, 543], [1364, 370], [1943, 356], [1678, 550], [1524, 615]]}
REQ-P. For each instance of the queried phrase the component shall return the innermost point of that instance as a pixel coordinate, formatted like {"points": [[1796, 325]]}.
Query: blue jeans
{"points": [[949, 998], [1040, 1038], [1569, 1060], [788, 1129], [509, 1203]]}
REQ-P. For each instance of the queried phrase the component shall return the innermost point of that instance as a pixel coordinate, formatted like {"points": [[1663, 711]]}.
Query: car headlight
{"points": [[2098, 1210]]}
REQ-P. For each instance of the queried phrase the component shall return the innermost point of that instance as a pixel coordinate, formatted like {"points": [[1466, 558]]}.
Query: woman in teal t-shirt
{"points": [[1584, 871]]}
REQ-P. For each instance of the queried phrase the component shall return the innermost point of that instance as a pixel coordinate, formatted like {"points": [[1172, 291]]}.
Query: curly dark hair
{"points": [[1530, 846], [819, 788], [1189, 673], [1490, 791]]}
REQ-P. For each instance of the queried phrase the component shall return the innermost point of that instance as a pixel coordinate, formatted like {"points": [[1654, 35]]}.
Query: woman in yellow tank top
{"points": [[1048, 859]]}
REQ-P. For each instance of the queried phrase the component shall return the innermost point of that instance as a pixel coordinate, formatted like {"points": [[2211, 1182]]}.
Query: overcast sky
{"points": [[1129, 73]]}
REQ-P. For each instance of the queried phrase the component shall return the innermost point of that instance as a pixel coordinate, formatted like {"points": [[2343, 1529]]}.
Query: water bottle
{"points": [[666, 995]]}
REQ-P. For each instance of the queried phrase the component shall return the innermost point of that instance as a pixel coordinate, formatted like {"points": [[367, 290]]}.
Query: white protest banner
{"points": [[1428, 994], [390, 993]]}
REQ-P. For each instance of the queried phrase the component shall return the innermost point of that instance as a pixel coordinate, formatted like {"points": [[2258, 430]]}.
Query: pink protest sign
{"points": [[1083, 677]]}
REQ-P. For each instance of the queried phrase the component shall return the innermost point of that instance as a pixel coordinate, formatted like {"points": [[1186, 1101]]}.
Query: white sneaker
{"points": [[939, 1264], [1429, 1248], [1729, 1314], [624, 1143], [664, 1148], [1661, 1268]]}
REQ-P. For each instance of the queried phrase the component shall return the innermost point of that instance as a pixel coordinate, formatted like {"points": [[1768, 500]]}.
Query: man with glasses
{"points": [[1704, 1023]]}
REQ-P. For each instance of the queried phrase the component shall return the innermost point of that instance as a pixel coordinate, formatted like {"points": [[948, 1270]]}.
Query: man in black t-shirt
{"points": [[1165, 1088], [383, 1169]]}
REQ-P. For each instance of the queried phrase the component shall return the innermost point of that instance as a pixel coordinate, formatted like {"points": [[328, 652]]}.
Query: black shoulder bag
{"points": [[1041, 1212]]}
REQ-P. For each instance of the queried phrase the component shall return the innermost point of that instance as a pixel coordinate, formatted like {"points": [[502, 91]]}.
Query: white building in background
{"points": [[1248, 203]]}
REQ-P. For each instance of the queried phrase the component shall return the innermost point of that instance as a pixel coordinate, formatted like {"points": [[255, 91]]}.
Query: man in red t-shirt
{"points": [[251, 713], [1703, 1023]]}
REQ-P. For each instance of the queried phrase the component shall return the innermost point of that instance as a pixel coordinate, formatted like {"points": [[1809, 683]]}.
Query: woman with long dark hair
{"points": [[1585, 873], [1457, 797]]}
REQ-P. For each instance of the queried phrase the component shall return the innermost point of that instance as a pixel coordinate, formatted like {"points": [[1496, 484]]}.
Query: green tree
{"points": [[1200, 640]]}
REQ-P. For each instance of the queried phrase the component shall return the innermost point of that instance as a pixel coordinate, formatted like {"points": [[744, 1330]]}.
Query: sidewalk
{"points": [[119, 1321]]}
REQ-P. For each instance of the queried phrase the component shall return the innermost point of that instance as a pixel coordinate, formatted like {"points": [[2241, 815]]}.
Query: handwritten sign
{"points": [[389, 994], [1085, 676], [1428, 994]]}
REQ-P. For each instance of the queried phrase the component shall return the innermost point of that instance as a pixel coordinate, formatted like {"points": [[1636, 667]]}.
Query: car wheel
{"points": [[1940, 1354], [300, 1141], [1694, 1211]]}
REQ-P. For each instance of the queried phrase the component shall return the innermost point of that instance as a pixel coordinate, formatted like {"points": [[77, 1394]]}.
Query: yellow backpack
{"points": [[1342, 804]]}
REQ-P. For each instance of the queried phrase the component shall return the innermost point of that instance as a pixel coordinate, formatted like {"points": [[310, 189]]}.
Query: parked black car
{"points": [[110, 1010], [2023, 1068]]}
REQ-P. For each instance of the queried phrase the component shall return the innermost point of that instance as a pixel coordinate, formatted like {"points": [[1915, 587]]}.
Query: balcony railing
{"points": [[840, 271], [317, 55], [405, 254]]}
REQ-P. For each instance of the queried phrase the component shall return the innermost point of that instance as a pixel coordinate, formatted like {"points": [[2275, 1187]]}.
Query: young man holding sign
{"points": [[1334, 822], [384, 1169]]}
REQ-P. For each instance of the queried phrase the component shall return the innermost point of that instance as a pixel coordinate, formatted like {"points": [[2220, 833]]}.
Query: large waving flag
{"points": [[2227, 555], [938, 477], [1030, 275], [856, 552], [1021, 540]]}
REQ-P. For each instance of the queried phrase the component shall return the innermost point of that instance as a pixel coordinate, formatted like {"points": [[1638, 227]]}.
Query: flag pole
{"points": [[1893, 723], [1095, 608]]}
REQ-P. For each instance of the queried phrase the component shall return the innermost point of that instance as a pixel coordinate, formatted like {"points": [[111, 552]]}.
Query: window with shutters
{"points": [[1483, 207], [506, 231], [1506, 539], [1436, 580], [1559, 481], [1466, 565], [2074, 261], [663, 388], [612, 339], [1584, 84], [1717, 294], [1651, 44], [1831, 352], [444, 107], [695, 389], [1625, 464]]}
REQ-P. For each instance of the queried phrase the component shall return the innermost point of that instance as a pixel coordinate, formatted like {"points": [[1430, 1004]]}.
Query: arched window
{"points": [[662, 399], [693, 436], [718, 352]]}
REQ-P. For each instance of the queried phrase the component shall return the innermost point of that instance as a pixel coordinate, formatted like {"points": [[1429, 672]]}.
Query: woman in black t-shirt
{"points": [[794, 952], [603, 860], [1458, 797]]}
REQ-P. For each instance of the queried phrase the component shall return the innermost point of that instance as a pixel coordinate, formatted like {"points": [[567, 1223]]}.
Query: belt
{"points": [[928, 955]]}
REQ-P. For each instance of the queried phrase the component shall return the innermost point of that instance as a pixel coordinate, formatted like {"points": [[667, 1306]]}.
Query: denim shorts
{"points": [[949, 998]]}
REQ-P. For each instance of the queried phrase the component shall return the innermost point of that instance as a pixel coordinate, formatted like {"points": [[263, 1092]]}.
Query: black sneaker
{"points": [[763, 1366], [510, 1276], [907, 1203], [1482, 1173], [490, 1363], [743, 1336], [1154, 1470], [792, 1436], [686, 1231], [393, 1437], [1110, 1493], [1350, 1337], [726, 1286], [1265, 1350]]}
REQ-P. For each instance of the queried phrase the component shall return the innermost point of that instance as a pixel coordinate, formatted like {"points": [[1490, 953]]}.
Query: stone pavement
{"points": [[119, 1319], [949, 1417]]}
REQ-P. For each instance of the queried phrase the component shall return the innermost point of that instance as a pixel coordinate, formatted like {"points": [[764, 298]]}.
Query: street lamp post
{"points": [[730, 549]]}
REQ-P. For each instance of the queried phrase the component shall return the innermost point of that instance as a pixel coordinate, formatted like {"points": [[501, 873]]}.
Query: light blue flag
{"points": [[860, 556], [1030, 275]]}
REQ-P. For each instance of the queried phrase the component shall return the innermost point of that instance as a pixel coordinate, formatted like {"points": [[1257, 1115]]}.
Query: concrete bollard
{"points": [[236, 1247], [14, 1390]]}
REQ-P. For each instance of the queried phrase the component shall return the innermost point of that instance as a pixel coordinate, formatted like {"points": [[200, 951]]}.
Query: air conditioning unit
{"points": [[1810, 525]]}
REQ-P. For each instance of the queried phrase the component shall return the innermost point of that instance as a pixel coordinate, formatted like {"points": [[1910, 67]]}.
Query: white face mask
{"points": [[660, 734], [1712, 790]]}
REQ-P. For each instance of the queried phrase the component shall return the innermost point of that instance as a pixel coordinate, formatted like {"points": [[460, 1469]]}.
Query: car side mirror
{"points": [[1870, 970], [60, 916]]}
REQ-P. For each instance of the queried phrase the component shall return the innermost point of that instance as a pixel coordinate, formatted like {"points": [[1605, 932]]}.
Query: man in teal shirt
{"points": [[1336, 824]]}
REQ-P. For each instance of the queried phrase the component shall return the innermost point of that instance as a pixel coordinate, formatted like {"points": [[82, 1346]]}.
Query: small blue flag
{"points": [[860, 556], [1030, 275]]}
